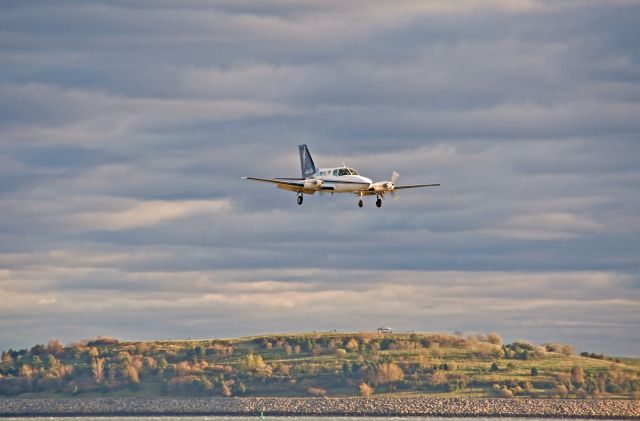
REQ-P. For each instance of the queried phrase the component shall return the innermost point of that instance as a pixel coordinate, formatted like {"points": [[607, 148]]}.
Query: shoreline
{"points": [[356, 407]]}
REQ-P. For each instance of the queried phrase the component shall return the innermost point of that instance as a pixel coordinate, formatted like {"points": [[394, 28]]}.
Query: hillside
{"points": [[317, 364]]}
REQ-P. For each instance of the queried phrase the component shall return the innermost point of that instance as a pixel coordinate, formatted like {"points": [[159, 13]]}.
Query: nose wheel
{"points": [[299, 199], [360, 203], [379, 202]]}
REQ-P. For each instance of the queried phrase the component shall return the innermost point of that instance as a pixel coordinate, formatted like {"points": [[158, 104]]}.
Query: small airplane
{"points": [[335, 180]]}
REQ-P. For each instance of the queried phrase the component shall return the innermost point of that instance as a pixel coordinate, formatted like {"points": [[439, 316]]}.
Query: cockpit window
{"points": [[353, 172], [344, 171]]}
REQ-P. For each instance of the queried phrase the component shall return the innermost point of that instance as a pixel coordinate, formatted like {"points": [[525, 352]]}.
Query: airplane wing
{"points": [[291, 184], [413, 186], [283, 181]]}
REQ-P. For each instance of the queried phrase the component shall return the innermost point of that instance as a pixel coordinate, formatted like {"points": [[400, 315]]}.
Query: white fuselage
{"points": [[343, 180]]}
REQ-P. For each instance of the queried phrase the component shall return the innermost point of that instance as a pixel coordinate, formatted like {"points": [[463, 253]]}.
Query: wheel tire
{"points": [[379, 203], [299, 200], [360, 204]]}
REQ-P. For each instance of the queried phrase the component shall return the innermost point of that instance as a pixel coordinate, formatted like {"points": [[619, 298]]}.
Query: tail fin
{"points": [[306, 162]]}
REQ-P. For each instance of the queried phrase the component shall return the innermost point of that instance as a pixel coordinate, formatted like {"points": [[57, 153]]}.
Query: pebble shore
{"points": [[543, 408]]}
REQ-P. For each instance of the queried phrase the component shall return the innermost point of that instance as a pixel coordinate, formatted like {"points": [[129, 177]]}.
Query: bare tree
{"points": [[27, 373], [97, 369], [132, 374], [54, 347]]}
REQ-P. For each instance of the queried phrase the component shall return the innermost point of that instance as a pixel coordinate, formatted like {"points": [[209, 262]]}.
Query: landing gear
{"points": [[360, 202], [299, 199], [379, 202]]}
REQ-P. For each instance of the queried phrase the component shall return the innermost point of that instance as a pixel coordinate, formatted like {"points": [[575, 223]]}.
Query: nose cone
{"points": [[366, 180]]}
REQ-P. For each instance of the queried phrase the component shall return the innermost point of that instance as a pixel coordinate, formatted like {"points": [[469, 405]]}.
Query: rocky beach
{"points": [[455, 407]]}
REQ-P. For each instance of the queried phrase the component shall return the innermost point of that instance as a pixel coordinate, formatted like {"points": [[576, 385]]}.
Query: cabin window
{"points": [[335, 172]]}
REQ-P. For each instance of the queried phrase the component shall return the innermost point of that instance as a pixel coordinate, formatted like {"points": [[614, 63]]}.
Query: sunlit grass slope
{"points": [[317, 364]]}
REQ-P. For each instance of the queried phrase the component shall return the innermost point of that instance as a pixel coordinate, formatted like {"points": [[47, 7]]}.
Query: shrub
{"points": [[560, 348], [438, 378], [506, 393], [456, 382], [385, 373], [226, 388], [577, 375], [54, 347], [494, 338], [100, 341], [352, 345], [365, 390], [316, 391], [561, 390]]}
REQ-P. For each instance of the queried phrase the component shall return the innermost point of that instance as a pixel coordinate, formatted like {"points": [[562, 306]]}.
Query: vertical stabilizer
{"points": [[306, 162]]}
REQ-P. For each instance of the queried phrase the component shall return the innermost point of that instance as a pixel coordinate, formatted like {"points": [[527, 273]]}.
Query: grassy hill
{"points": [[317, 364]]}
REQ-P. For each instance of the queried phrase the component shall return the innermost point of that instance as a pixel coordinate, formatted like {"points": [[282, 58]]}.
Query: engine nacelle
{"points": [[383, 186], [315, 185]]}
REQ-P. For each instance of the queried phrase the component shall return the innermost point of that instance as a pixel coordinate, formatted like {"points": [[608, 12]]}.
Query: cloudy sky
{"points": [[125, 128]]}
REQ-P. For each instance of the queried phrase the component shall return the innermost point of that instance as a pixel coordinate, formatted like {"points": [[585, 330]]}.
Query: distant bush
{"points": [[505, 393], [365, 390], [188, 385], [384, 373], [456, 382], [519, 350], [351, 345], [437, 378], [561, 391], [316, 391], [577, 375], [592, 355], [560, 348], [494, 338], [102, 341]]}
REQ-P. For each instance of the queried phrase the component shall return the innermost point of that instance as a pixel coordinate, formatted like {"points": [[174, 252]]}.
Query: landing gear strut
{"points": [[299, 199], [379, 202]]}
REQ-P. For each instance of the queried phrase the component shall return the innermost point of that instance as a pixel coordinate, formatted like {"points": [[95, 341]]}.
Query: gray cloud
{"points": [[125, 128]]}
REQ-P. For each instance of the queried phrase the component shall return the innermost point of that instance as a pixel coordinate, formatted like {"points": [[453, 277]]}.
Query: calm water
{"points": [[268, 418]]}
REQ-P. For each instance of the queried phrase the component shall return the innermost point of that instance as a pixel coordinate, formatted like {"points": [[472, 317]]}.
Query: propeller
{"points": [[383, 187], [394, 177]]}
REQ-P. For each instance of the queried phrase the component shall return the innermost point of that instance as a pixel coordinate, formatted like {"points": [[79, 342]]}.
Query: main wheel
{"points": [[379, 202], [299, 199], [360, 203]]}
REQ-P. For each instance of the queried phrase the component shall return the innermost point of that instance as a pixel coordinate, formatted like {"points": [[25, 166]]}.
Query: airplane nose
{"points": [[366, 180]]}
